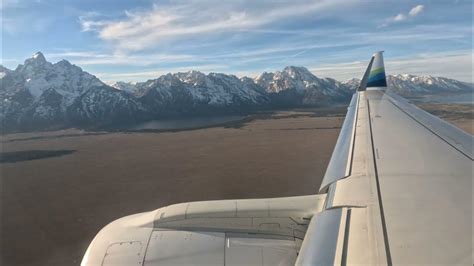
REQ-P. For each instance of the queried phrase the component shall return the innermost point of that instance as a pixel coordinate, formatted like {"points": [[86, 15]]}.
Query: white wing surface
{"points": [[403, 190]]}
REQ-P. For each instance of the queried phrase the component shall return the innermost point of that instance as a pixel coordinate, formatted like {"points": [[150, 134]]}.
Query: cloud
{"points": [[399, 17], [20, 17], [272, 55], [141, 30], [451, 65], [19, 24], [155, 73], [416, 10], [90, 21], [94, 58], [5, 4]]}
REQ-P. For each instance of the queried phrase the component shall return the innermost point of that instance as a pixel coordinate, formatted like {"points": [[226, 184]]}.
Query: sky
{"points": [[143, 39]]}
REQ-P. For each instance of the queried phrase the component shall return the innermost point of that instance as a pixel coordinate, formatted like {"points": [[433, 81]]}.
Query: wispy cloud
{"points": [[453, 65], [140, 30], [415, 11], [5, 4], [93, 58], [269, 57], [25, 24], [21, 17], [155, 73], [245, 36], [434, 64], [94, 20], [276, 52], [399, 17]]}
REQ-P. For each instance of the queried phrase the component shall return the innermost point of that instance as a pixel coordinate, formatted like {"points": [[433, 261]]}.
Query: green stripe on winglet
{"points": [[377, 71]]}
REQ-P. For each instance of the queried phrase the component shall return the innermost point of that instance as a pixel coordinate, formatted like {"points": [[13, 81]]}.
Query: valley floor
{"points": [[59, 188]]}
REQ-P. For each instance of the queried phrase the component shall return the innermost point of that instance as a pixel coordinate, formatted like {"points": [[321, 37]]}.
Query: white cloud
{"points": [[274, 56], [92, 58], [456, 65], [90, 21], [451, 65], [153, 74], [5, 4], [19, 17], [25, 24], [416, 10], [399, 17], [141, 30], [273, 53]]}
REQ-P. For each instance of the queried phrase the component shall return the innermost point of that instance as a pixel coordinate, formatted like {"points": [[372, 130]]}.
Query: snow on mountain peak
{"points": [[39, 56], [191, 77], [291, 77], [64, 63], [38, 75], [4, 71], [295, 71], [129, 87]]}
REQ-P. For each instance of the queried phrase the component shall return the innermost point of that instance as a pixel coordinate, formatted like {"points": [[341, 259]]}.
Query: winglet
{"points": [[377, 72], [374, 75]]}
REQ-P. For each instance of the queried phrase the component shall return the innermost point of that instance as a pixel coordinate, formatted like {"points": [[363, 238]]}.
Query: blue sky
{"points": [[142, 39]]}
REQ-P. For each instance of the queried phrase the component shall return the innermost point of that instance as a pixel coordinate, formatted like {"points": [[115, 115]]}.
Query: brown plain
{"points": [[51, 208]]}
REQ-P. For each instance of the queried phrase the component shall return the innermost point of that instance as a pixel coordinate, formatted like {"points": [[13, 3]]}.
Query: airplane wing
{"points": [[399, 186], [398, 190]]}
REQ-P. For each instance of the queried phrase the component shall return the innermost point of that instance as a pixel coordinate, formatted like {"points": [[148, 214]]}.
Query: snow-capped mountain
{"points": [[105, 105], [410, 85], [66, 79], [297, 78], [298, 86], [129, 87], [192, 91], [40, 95]]}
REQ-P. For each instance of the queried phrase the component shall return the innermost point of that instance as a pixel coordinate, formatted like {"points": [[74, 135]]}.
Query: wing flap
{"points": [[324, 240]]}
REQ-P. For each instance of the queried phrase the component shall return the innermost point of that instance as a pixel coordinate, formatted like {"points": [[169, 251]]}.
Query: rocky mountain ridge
{"points": [[42, 95]]}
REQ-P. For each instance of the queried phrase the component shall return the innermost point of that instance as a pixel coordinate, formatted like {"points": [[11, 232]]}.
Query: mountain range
{"points": [[40, 95]]}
